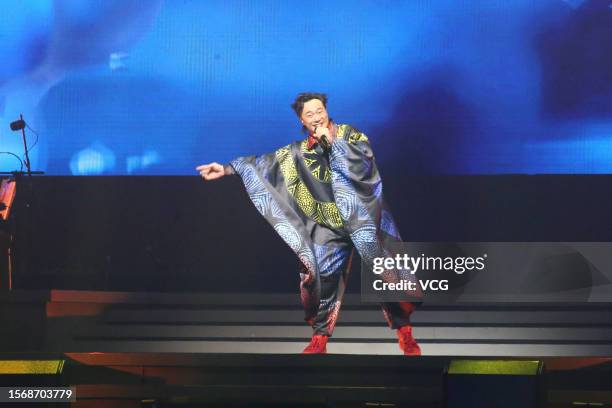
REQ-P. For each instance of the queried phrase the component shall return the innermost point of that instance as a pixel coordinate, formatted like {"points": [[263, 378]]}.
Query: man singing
{"points": [[323, 196]]}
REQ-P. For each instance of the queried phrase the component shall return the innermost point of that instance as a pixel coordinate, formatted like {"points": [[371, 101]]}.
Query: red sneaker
{"points": [[318, 345], [407, 342]]}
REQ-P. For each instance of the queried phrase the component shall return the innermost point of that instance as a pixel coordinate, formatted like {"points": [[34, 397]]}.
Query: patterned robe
{"points": [[324, 204]]}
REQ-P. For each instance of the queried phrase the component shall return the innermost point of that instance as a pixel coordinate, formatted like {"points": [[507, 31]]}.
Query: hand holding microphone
{"points": [[323, 136]]}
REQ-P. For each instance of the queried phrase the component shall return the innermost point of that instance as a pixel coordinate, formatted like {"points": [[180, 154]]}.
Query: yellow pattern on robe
{"points": [[324, 213]]}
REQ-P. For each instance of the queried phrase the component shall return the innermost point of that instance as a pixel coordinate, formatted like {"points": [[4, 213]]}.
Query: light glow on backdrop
{"points": [[157, 87]]}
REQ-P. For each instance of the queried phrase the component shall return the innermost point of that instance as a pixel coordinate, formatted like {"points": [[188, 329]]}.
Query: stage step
{"points": [[82, 321], [270, 323]]}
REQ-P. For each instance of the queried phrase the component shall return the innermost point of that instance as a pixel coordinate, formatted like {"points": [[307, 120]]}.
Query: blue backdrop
{"points": [[444, 86]]}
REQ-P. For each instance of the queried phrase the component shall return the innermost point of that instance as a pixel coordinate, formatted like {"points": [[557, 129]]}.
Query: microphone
{"points": [[18, 125], [323, 140]]}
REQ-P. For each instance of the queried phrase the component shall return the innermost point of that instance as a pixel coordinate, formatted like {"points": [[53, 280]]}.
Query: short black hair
{"points": [[302, 98]]}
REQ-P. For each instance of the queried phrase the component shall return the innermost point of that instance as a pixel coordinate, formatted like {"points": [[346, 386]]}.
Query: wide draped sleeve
{"points": [[265, 185], [358, 192]]}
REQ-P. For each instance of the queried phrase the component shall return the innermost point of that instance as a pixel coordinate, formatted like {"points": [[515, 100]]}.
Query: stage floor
{"points": [[282, 380], [123, 348]]}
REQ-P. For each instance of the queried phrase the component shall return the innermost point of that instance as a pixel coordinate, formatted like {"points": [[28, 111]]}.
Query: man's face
{"points": [[314, 115]]}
